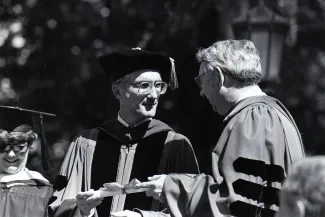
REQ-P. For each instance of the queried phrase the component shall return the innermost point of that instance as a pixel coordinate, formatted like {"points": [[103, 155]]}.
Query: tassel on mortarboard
{"points": [[38, 126], [173, 81], [46, 158]]}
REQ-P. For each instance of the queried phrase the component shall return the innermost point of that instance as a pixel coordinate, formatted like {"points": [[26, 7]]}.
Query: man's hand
{"points": [[88, 200], [125, 213], [155, 186]]}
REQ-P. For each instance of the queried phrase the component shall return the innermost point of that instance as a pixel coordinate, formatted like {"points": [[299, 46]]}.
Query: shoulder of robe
{"points": [[257, 109], [172, 136], [38, 177], [179, 136], [252, 113], [87, 135]]}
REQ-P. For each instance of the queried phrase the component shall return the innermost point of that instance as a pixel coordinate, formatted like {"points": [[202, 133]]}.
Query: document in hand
{"points": [[114, 188]]}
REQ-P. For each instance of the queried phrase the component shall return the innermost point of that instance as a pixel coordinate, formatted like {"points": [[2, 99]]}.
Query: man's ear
{"points": [[116, 91], [300, 207], [218, 77]]}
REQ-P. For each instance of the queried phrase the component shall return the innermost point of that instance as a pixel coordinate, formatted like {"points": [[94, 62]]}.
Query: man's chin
{"points": [[219, 111], [215, 109], [148, 114], [148, 111]]}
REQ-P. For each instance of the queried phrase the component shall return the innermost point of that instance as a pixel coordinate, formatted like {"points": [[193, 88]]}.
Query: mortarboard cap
{"points": [[121, 63], [15, 119]]}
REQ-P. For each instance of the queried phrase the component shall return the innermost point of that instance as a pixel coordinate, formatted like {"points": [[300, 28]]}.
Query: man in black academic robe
{"points": [[132, 146], [259, 142]]}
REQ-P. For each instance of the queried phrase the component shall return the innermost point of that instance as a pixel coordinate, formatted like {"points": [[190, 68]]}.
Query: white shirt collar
{"points": [[251, 91], [22, 175], [124, 123]]}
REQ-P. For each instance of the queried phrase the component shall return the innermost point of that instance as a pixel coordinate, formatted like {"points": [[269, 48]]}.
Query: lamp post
{"points": [[267, 30]]}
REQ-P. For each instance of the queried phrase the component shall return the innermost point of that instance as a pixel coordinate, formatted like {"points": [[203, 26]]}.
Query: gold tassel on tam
{"points": [[173, 81]]}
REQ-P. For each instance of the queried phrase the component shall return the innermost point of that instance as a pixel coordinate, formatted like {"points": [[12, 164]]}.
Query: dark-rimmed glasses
{"points": [[145, 87], [16, 148]]}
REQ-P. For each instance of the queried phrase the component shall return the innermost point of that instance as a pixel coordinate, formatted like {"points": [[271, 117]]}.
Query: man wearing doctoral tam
{"points": [[253, 155], [23, 192], [133, 145]]}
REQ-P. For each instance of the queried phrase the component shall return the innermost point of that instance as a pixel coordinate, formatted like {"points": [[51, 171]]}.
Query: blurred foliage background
{"points": [[48, 52]]}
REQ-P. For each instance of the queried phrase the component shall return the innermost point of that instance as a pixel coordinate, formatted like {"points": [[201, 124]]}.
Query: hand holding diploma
{"points": [[154, 187]]}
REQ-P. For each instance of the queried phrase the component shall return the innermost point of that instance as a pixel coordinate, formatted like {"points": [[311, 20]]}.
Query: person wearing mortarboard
{"points": [[22, 192], [134, 145]]}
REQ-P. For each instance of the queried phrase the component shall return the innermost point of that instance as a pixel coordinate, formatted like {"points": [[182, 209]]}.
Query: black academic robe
{"points": [[25, 198], [115, 153], [259, 143]]}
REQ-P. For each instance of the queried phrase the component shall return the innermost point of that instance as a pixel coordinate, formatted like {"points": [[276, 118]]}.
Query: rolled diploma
{"points": [[114, 188]]}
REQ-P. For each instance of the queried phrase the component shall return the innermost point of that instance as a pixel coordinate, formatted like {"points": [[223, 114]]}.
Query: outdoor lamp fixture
{"points": [[267, 30]]}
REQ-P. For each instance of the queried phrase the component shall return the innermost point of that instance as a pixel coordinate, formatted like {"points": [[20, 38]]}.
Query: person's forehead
{"points": [[145, 75]]}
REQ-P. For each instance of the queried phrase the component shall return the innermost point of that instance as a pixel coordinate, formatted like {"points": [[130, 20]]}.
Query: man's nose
{"points": [[201, 93], [153, 93]]}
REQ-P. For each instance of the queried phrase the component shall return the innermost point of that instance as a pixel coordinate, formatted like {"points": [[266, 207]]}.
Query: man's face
{"points": [[141, 105], [210, 86], [12, 160]]}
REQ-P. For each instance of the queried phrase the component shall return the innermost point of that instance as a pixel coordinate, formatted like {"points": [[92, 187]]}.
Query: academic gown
{"points": [[115, 153], [259, 143], [25, 198]]}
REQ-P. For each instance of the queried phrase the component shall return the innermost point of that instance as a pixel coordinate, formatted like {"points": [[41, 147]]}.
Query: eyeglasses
{"points": [[145, 87], [199, 79], [16, 148]]}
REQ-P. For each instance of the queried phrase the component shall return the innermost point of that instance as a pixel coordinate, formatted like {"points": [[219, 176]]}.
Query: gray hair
{"points": [[238, 59], [306, 181]]}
